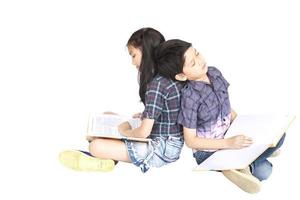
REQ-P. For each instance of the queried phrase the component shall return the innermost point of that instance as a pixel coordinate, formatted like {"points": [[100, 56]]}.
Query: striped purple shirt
{"points": [[206, 107]]}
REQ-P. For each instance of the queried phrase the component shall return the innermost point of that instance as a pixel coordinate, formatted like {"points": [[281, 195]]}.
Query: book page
{"points": [[109, 120], [265, 130], [106, 126], [232, 159]]}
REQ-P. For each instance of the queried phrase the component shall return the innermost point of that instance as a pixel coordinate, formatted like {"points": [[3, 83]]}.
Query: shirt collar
{"points": [[212, 74], [201, 85], [197, 85]]}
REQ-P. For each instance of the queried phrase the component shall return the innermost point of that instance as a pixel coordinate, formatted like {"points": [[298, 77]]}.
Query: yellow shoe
{"points": [[243, 179], [276, 153], [79, 161]]}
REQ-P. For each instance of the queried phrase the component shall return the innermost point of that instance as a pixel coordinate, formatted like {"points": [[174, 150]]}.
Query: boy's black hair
{"points": [[169, 57]]}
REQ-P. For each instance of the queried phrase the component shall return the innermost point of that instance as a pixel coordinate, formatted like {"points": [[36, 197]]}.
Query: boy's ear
{"points": [[180, 77]]}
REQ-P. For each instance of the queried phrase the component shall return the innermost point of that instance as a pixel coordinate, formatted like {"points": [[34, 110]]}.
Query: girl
{"points": [[161, 98], [206, 113]]}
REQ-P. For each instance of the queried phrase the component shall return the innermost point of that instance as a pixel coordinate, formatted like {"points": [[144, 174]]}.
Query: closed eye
{"points": [[193, 64]]}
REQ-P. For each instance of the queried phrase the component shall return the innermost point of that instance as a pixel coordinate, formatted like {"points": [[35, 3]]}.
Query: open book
{"points": [[265, 131], [106, 126]]}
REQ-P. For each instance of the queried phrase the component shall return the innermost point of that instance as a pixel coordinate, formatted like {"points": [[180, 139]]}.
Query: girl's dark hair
{"points": [[170, 57], [147, 40]]}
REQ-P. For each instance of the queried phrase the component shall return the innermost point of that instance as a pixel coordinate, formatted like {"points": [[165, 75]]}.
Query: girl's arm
{"points": [[194, 142], [141, 132]]}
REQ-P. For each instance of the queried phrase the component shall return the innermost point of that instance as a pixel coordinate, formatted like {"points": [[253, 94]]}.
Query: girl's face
{"points": [[136, 55], [194, 67]]}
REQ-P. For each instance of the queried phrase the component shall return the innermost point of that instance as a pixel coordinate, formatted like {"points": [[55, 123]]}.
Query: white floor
{"points": [[38, 175], [62, 59]]}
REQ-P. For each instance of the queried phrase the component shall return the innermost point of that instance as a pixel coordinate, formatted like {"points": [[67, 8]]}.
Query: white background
{"points": [[61, 60]]}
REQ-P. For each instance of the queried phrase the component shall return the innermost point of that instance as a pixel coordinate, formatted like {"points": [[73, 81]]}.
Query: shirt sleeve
{"points": [[220, 75], [154, 100], [188, 113], [224, 81]]}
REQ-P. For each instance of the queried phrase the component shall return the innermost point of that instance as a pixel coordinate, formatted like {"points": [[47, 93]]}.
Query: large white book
{"points": [[106, 126], [265, 131]]}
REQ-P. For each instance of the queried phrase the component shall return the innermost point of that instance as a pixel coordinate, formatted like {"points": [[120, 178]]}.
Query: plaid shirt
{"points": [[162, 103], [206, 107]]}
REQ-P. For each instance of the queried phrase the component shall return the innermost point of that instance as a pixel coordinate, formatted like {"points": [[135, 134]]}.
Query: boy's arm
{"points": [[194, 142], [141, 132]]}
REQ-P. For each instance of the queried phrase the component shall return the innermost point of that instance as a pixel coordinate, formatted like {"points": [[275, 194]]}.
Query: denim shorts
{"points": [[156, 153]]}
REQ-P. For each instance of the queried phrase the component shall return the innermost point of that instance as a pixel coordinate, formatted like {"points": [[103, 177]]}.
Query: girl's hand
{"points": [[90, 138], [137, 115], [122, 128], [238, 142], [110, 113]]}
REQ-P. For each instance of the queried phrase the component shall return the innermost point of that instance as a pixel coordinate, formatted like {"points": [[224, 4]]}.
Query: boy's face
{"points": [[136, 56], [194, 67]]}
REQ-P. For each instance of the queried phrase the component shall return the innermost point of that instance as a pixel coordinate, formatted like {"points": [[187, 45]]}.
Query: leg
{"points": [[245, 181], [271, 150], [261, 168], [109, 149], [200, 156]]}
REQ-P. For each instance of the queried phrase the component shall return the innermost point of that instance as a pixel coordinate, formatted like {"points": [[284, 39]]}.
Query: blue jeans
{"points": [[200, 156], [261, 168]]}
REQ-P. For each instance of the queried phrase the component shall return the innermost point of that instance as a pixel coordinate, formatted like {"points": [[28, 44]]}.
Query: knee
{"points": [[264, 175], [95, 147], [262, 171]]}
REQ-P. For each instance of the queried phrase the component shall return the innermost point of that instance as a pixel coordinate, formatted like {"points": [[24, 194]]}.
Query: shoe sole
{"points": [[79, 161], [247, 183], [276, 153]]}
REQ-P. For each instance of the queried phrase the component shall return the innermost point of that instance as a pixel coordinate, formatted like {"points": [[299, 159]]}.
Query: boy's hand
{"points": [[238, 142]]}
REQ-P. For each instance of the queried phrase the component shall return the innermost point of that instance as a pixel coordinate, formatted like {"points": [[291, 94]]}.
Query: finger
{"points": [[247, 144], [110, 113], [241, 136], [248, 138], [245, 136]]}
